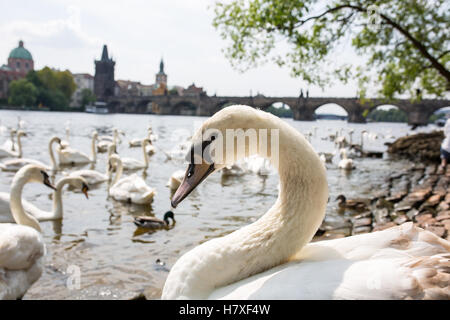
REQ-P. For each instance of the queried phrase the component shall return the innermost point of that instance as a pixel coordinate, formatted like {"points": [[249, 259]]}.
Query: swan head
{"points": [[35, 173], [231, 134], [21, 133]]}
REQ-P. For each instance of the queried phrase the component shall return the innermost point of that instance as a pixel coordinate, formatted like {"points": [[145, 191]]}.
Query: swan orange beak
{"points": [[85, 190], [195, 174]]}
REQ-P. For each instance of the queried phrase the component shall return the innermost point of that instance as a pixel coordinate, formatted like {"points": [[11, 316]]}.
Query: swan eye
{"points": [[190, 170]]}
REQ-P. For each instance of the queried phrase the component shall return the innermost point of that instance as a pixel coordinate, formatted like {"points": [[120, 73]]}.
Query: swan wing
{"points": [[91, 176], [132, 188], [403, 262], [69, 155], [15, 164]]}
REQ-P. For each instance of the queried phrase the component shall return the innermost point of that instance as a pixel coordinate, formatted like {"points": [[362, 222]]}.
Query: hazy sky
{"points": [[70, 34]]}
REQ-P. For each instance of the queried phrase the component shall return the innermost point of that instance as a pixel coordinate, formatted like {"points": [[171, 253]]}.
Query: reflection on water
{"points": [[117, 259]]}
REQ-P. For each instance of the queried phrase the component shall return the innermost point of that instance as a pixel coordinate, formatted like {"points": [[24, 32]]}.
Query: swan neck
{"points": [[19, 146], [119, 171], [16, 206], [52, 155], [94, 150], [144, 144]]}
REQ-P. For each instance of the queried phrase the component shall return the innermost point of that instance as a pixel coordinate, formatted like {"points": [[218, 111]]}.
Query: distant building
{"points": [[127, 88], [83, 81], [193, 91], [20, 62], [104, 84]]}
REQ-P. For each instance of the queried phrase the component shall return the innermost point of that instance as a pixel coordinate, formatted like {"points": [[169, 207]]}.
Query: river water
{"points": [[97, 237]]}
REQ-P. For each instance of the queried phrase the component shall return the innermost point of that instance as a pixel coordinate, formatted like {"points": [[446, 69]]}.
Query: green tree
{"points": [[54, 87], [22, 93], [65, 83], [390, 115], [87, 97], [405, 43]]}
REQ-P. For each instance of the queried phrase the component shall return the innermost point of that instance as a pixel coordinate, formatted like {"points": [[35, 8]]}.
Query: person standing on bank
{"points": [[445, 146]]}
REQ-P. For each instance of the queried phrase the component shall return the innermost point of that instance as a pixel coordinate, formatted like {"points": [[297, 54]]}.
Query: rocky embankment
{"points": [[421, 146], [419, 194]]}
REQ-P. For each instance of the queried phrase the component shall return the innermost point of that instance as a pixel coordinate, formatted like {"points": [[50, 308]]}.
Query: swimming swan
{"points": [[15, 164], [133, 164], [21, 244], [131, 189], [41, 215], [5, 153], [271, 258], [70, 156]]}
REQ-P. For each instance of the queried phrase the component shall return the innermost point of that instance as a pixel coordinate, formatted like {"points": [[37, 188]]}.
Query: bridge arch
{"points": [[280, 109], [386, 113], [185, 108], [331, 111]]}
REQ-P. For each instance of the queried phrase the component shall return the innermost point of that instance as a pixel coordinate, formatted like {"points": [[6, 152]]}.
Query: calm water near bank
{"points": [[115, 259]]}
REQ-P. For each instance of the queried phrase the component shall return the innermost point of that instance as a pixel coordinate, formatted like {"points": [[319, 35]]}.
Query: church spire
{"points": [[105, 53], [161, 66]]}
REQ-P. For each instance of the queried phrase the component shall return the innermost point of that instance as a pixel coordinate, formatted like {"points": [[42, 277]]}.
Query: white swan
{"points": [[137, 142], [131, 189], [70, 156], [133, 164], [15, 164], [41, 215], [5, 153], [21, 245], [175, 180], [92, 177], [270, 258], [345, 163], [9, 144], [105, 141]]}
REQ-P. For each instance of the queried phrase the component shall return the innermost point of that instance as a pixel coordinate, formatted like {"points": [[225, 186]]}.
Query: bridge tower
{"points": [[104, 83], [161, 77]]}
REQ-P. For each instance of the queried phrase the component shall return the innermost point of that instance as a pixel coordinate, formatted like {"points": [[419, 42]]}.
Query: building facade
{"points": [[83, 81], [104, 84], [20, 62]]}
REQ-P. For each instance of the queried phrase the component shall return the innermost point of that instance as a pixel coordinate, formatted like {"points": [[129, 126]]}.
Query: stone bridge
{"points": [[303, 108]]}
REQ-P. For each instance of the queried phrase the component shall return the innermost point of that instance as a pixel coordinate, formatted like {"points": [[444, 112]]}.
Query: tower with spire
{"points": [[104, 83], [161, 77]]}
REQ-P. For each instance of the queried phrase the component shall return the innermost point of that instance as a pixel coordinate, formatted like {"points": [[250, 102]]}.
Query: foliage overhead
{"points": [[405, 43]]}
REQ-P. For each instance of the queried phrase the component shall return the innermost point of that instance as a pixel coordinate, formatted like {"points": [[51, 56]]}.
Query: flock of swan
{"points": [[271, 258]]}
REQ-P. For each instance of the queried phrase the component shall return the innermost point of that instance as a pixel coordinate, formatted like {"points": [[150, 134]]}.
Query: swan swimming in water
{"points": [[71, 156], [41, 215], [131, 189], [271, 258], [15, 164], [8, 153], [21, 244]]}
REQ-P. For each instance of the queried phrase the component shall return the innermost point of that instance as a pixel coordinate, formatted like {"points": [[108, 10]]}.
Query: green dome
{"points": [[20, 52]]}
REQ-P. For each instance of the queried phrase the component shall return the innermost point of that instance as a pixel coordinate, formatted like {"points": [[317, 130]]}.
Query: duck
{"points": [[345, 163], [14, 165], [22, 247], [272, 258], [355, 204], [149, 222], [131, 189], [8, 153], [175, 180], [41, 215], [130, 164], [73, 157]]}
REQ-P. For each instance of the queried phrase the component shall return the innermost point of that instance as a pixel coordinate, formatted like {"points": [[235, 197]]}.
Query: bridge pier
{"points": [[356, 116], [303, 114]]}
